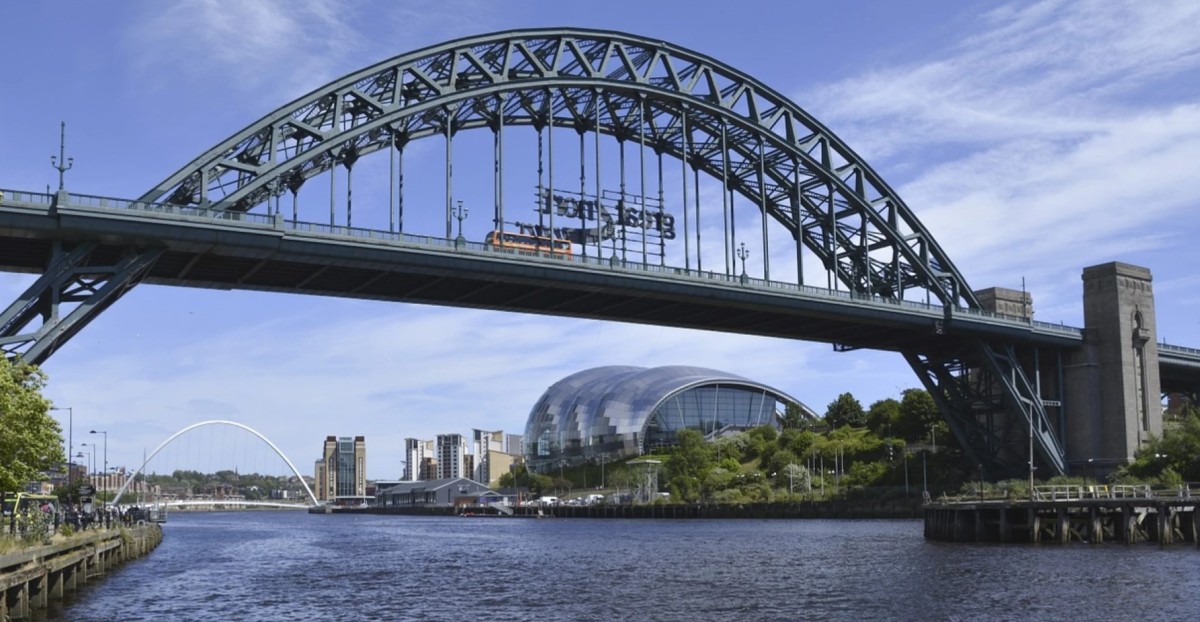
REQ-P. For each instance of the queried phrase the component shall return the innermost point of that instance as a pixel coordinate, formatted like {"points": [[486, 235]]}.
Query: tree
{"points": [[30, 439], [518, 477], [795, 477], [845, 410], [918, 412], [689, 463], [883, 416], [793, 417], [799, 442], [1176, 454]]}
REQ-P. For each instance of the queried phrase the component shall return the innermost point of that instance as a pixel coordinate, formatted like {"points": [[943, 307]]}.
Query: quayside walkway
{"points": [[29, 578], [1067, 514]]}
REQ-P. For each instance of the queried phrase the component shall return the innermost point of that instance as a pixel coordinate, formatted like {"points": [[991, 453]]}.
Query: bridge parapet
{"points": [[1180, 350], [255, 221]]}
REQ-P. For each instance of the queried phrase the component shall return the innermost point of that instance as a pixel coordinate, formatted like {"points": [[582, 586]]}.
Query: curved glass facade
{"points": [[617, 412]]}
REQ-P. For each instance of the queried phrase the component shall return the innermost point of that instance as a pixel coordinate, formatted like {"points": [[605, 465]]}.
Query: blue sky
{"points": [[1032, 138]]}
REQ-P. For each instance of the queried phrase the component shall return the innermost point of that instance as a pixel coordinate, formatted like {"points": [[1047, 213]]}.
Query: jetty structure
{"points": [[1071, 514]]}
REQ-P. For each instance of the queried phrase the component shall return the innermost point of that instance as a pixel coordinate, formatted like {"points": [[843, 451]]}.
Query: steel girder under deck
{"points": [[985, 393], [86, 275]]}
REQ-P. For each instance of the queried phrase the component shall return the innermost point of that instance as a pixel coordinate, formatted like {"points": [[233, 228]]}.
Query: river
{"points": [[295, 566]]}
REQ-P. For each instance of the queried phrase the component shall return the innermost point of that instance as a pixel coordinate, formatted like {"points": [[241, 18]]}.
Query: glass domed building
{"points": [[616, 412]]}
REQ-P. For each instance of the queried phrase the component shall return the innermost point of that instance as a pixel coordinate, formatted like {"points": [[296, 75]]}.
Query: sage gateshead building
{"points": [[616, 412]]}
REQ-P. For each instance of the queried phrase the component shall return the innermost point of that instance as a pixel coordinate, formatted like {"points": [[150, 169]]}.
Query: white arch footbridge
{"points": [[312, 497]]}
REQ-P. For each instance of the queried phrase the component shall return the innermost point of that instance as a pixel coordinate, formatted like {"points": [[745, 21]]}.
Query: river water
{"points": [[295, 566]]}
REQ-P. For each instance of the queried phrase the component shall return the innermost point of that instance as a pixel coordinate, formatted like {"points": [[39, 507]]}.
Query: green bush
{"points": [[34, 527]]}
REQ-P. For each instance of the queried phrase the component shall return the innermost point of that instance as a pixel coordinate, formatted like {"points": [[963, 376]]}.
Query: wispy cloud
{"points": [[284, 48], [402, 369], [1052, 69], [250, 46], [1065, 129]]}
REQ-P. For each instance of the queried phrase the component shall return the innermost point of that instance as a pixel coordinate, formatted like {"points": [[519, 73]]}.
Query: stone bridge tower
{"points": [[1113, 393]]}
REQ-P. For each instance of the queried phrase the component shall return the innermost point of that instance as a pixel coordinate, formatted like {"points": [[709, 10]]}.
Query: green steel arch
{"points": [[719, 120], [680, 103]]}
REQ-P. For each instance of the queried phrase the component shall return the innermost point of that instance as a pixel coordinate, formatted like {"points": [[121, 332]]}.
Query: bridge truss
{"points": [[773, 161]]}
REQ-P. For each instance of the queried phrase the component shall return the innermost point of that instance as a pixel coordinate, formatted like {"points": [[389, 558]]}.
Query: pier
{"points": [[1071, 514], [30, 578]]}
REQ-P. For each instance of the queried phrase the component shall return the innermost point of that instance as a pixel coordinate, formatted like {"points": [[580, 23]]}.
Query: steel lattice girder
{"points": [[768, 148], [692, 107], [991, 406], [73, 276]]}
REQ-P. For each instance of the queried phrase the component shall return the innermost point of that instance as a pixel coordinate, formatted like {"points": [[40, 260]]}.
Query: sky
{"points": [[1032, 139]]}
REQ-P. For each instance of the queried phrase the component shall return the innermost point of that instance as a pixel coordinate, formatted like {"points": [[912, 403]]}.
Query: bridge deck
{"points": [[248, 251]]}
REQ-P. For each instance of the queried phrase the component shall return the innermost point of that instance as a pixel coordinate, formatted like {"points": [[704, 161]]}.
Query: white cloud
{"points": [[284, 48], [394, 371], [1058, 135], [248, 45], [1051, 69]]}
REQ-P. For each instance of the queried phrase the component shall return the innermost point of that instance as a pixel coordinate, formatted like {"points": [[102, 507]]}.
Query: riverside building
{"points": [[341, 472], [617, 412]]}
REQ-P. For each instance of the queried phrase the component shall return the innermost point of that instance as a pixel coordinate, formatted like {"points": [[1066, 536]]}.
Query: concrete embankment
{"points": [[31, 577]]}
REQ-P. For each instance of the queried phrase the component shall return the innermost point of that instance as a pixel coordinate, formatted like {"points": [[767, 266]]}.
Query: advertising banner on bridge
{"points": [[588, 220]]}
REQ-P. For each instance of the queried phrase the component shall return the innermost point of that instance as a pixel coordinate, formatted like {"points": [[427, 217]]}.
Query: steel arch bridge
{"points": [[809, 199], [312, 497], [718, 120]]}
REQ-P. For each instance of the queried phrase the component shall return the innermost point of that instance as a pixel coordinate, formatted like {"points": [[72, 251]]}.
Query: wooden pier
{"points": [[29, 579], [1064, 517]]}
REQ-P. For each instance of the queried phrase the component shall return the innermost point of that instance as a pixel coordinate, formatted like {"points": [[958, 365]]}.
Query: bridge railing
{"points": [[1163, 347], [20, 196], [101, 202], [359, 233]]}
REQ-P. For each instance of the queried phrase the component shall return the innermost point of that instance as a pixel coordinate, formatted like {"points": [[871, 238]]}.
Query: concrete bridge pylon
{"points": [[1112, 381]]}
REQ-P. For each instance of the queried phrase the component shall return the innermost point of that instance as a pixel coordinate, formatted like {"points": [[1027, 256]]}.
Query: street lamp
{"points": [[924, 475], [104, 478], [742, 254], [87, 461], [461, 213], [70, 438]]}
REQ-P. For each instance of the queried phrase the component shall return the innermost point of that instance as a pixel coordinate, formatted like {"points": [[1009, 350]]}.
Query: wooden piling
{"points": [[1096, 521], [30, 578]]}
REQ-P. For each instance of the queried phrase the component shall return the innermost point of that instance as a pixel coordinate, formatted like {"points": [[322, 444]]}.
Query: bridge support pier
{"points": [[1112, 388]]}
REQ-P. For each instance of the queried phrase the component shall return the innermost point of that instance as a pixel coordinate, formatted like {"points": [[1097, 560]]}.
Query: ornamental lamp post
{"points": [[87, 461], [104, 475], [70, 438], [461, 213], [743, 254]]}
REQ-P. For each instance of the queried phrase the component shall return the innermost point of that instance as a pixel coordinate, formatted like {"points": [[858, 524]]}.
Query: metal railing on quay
{"points": [[1076, 492]]}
